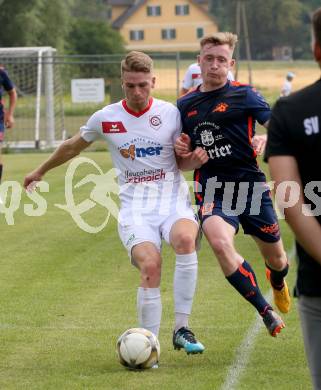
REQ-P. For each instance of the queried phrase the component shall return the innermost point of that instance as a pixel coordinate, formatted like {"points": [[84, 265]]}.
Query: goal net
{"points": [[39, 114]]}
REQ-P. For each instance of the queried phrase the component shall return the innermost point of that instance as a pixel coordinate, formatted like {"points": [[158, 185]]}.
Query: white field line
{"points": [[243, 352]]}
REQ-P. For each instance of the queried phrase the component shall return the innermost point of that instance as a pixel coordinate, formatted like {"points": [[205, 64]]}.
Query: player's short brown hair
{"points": [[316, 25], [220, 38], [137, 61]]}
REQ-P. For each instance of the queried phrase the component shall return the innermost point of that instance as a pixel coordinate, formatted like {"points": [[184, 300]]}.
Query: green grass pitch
{"points": [[66, 296]]}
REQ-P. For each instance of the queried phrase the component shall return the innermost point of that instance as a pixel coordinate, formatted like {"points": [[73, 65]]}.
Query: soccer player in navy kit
{"points": [[6, 117], [219, 126]]}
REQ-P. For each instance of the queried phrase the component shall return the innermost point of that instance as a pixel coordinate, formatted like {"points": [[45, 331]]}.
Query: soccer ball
{"points": [[138, 348]]}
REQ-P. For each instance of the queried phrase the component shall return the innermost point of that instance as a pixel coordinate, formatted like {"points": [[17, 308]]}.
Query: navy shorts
{"points": [[1, 127], [255, 212]]}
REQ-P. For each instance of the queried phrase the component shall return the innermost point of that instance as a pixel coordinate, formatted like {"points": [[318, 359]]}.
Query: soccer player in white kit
{"points": [[155, 204]]}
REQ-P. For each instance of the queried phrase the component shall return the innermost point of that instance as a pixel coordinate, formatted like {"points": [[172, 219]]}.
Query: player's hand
{"points": [[8, 121], [31, 180], [183, 145], [199, 157], [259, 143]]}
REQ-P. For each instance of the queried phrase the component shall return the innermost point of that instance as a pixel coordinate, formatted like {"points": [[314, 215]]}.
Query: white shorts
{"points": [[153, 229]]}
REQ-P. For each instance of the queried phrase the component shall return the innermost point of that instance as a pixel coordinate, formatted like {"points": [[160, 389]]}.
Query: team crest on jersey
{"points": [[207, 138], [221, 107], [155, 121], [113, 127]]}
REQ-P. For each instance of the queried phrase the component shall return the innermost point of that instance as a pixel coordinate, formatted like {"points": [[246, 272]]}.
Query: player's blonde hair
{"points": [[137, 61], [220, 38]]}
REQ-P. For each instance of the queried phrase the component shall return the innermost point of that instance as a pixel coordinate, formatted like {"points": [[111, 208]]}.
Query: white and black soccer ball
{"points": [[138, 348]]}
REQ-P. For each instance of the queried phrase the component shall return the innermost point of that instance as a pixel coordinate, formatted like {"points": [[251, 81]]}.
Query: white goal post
{"points": [[39, 117]]}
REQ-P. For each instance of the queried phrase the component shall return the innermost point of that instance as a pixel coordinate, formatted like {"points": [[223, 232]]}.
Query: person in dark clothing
{"points": [[6, 116], [293, 154]]}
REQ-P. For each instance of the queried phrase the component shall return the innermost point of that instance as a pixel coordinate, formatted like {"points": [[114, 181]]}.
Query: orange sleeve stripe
{"points": [[197, 176], [250, 132]]}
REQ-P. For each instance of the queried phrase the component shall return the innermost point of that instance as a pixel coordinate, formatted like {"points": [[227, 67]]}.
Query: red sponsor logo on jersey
{"points": [[191, 113], [221, 107], [196, 76], [113, 127]]}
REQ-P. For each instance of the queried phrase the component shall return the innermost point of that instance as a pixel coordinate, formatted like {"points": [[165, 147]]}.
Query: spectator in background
{"points": [[293, 153], [6, 116], [287, 86], [193, 78]]}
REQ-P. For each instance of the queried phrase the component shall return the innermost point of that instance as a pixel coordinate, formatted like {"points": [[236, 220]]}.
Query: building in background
{"points": [[162, 25]]}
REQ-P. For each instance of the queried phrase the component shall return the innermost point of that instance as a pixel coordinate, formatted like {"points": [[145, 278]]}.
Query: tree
{"points": [[55, 17], [19, 23], [41, 23], [94, 37], [90, 9], [271, 23]]}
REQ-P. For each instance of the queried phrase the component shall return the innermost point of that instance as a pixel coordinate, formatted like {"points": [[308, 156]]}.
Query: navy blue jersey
{"points": [[223, 123], [5, 83]]}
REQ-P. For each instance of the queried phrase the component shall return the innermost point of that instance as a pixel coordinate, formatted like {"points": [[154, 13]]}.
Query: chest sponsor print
{"points": [[208, 136], [138, 149]]}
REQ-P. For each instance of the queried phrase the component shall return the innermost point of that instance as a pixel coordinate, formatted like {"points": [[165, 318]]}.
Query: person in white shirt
{"points": [[287, 86], [193, 78], [140, 132]]}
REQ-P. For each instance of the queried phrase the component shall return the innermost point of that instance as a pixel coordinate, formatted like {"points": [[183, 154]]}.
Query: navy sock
{"points": [[277, 277], [244, 281], [1, 169]]}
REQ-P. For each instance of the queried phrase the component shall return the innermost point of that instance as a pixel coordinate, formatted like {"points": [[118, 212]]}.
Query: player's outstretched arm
{"points": [[65, 152]]}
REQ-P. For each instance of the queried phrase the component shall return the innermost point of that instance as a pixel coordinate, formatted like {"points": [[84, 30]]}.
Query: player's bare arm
{"points": [[183, 145], [187, 159], [65, 152], [192, 160], [8, 116], [306, 228], [259, 141]]}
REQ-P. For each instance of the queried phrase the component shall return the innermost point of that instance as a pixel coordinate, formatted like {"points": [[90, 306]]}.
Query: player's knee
{"points": [[184, 242], [278, 260], [151, 270], [222, 247]]}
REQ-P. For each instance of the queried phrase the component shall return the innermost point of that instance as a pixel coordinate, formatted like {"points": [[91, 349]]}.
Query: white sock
{"points": [[185, 278], [149, 308]]}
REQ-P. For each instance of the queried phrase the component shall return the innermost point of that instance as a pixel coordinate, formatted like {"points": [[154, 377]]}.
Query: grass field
{"points": [[66, 296]]}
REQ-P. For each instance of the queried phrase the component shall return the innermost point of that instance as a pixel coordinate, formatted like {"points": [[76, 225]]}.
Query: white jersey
{"points": [[287, 88], [142, 149], [193, 77]]}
